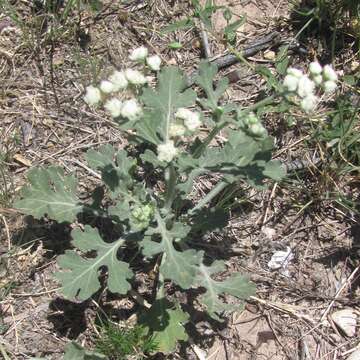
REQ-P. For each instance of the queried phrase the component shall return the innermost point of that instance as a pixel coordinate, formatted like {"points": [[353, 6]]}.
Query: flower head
{"points": [[191, 119], [329, 73], [135, 77], [131, 109], [315, 68], [294, 72], [106, 86], [139, 54], [291, 82], [167, 151], [305, 86], [308, 103], [176, 130], [257, 129], [92, 96], [119, 80], [154, 62], [329, 86], [113, 106], [318, 79]]}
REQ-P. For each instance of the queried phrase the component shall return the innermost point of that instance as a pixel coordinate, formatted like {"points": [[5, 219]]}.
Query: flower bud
{"points": [[113, 106], [176, 130], [106, 86], [291, 82], [167, 151], [257, 129], [305, 87], [329, 86], [139, 54], [294, 72], [119, 80], [315, 68], [308, 103], [191, 119], [318, 79], [329, 73], [131, 109], [154, 62], [92, 96], [135, 77]]}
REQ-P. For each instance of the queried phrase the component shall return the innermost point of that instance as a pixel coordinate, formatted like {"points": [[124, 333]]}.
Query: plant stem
{"points": [[160, 290], [170, 178], [214, 192], [209, 138]]}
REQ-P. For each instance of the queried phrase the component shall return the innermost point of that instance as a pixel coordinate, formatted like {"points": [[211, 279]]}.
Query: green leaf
{"points": [[282, 60], [178, 25], [204, 79], [165, 323], [236, 285], [268, 75], [82, 279], [52, 193], [168, 97], [234, 25], [274, 170], [178, 266], [116, 168], [74, 351], [175, 45]]}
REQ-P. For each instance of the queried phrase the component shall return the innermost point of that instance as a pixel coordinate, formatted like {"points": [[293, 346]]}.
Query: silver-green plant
{"points": [[159, 221]]}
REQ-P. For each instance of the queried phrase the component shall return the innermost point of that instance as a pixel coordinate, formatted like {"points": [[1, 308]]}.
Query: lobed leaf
{"points": [[74, 351], [50, 193], [82, 280], [165, 323], [236, 285], [116, 167], [165, 100], [179, 266], [204, 79]]}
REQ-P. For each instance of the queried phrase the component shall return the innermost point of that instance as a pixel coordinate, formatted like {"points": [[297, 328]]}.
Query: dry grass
{"points": [[45, 121]]}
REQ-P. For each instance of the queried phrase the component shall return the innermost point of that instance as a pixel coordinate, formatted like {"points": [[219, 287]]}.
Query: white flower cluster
{"points": [[167, 151], [185, 120], [305, 85], [140, 55], [120, 80]]}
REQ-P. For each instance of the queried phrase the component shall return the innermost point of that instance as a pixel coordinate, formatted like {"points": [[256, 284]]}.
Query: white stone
{"points": [[355, 355], [281, 259], [346, 320]]}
